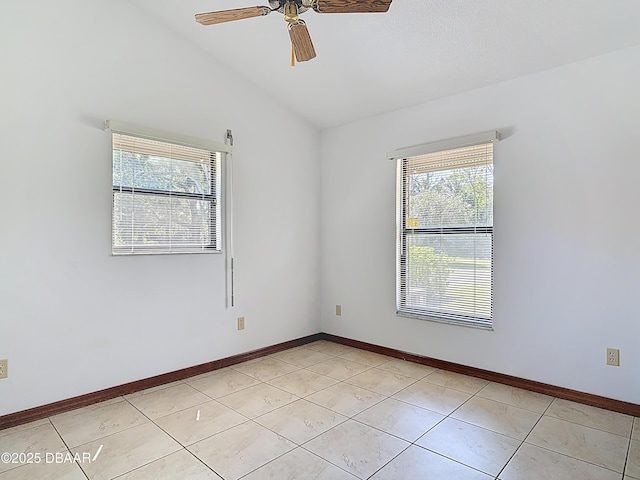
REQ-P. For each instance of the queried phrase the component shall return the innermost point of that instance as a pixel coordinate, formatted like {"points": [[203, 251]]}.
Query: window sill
{"points": [[448, 321]]}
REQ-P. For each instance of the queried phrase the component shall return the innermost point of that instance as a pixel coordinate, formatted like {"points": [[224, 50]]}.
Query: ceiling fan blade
{"points": [[230, 15], [351, 6], [301, 41]]}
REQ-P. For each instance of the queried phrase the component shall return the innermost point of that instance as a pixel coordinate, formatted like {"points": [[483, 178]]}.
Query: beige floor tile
{"points": [[416, 463], [432, 397], [100, 405], [163, 402], [292, 349], [240, 450], [223, 383], [125, 451], [329, 348], [257, 400], [499, 417], [40, 440], [87, 424], [153, 389], [338, 368], [345, 399], [409, 369], [593, 417], [635, 434], [473, 446], [633, 460], [535, 402], [302, 382], [456, 381], [179, 465], [265, 369], [302, 357], [584, 443], [45, 471], [400, 419], [25, 426], [367, 358], [299, 464], [300, 421], [535, 463], [317, 345], [207, 374], [356, 448], [197, 423], [381, 381]]}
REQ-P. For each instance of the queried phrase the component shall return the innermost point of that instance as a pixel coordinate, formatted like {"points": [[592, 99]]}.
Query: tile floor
{"points": [[328, 412]]}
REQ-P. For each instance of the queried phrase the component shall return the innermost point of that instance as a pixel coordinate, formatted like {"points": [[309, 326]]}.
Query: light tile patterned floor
{"points": [[326, 411]]}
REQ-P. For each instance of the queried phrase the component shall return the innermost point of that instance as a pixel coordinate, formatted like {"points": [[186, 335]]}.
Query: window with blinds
{"points": [[445, 236], [166, 197]]}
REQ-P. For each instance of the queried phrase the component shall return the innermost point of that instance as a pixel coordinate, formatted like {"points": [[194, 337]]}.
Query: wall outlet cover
{"points": [[613, 357]]}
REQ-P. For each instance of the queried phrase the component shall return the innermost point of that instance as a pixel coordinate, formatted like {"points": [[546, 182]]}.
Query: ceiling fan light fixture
{"points": [[291, 9]]}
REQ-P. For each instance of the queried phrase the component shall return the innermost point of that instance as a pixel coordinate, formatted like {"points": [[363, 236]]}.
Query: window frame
{"points": [[213, 242], [404, 232]]}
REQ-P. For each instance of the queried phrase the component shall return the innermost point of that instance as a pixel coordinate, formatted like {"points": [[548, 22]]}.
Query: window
{"points": [[445, 235], [166, 197]]}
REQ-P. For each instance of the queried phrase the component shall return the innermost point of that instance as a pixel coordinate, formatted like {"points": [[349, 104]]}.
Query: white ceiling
{"points": [[420, 50]]}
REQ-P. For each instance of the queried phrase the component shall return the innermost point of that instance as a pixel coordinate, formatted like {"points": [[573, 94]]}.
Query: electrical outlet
{"points": [[613, 357], [338, 310], [240, 323], [4, 368]]}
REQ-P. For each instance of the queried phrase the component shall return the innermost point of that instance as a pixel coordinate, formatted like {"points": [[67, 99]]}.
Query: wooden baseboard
{"points": [[560, 392], [55, 408], [61, 406]]}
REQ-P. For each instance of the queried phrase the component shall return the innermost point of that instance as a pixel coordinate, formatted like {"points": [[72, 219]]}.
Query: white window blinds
{"points": [[445, 236], [166, 197]]}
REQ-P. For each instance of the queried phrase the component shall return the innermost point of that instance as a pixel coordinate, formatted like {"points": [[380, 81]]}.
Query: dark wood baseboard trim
{"points": [[55, 408], [560, 392], [50, 409]]}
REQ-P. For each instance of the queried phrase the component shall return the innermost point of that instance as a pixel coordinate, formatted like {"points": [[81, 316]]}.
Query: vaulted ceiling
{"points": [[418, 51]]}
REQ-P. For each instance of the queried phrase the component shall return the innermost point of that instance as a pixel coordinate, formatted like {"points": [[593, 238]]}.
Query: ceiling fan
{"points": [[291, 9]]}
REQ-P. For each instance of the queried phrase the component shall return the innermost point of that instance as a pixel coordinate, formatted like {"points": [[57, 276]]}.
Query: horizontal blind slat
{"points": [[156, 148], [176, 207], [445, 237]]}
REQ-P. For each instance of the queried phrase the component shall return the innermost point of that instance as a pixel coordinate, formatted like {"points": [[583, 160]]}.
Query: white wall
{"points": [[74, 319], [566, 226]]}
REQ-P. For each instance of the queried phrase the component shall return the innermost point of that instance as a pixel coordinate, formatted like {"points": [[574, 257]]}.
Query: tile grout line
{"points": [[253, 420], [391, 459], [347, 417], [448, 416], [67, 445], [158, 426], [626, 457], [560, 453], [386, 397], [346, 381], [183, 447], [522, 442], [324, 459]]}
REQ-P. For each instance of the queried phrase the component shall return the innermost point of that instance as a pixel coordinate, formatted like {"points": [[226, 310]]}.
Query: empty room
{"points": [[319, 240]]}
